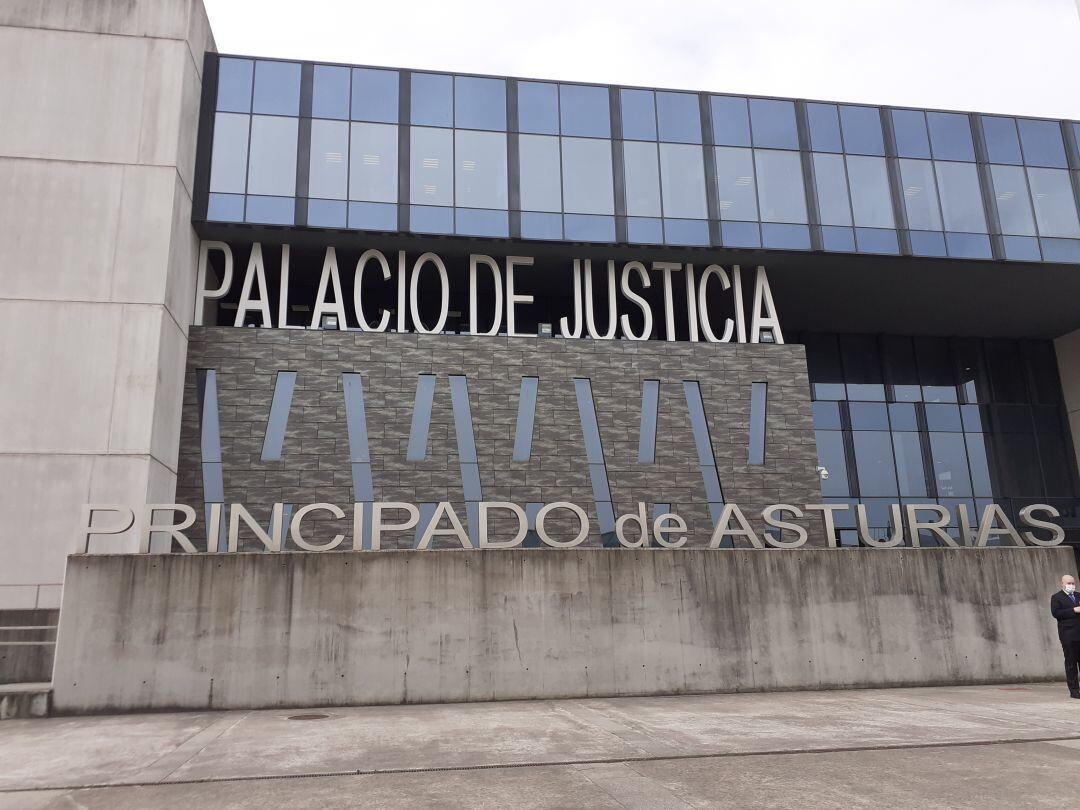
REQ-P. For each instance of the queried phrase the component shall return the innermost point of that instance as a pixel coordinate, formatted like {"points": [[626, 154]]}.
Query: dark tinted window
{"points": [[584, 110], [862, 130], [909, 130], [479, 103], [679, 117], [538, 108], [432, 100], [950, 136], [1002, 140], [773, 123], [1042, 143], [824, 123], [638, 115], [731, 121]]}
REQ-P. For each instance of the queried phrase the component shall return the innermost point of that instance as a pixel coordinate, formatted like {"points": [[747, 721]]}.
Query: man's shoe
{"points": [[1074, 694]]}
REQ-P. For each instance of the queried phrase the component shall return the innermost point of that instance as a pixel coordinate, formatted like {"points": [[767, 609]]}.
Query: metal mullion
{"points": [[251, 119], [708, 138], [404, 148], [813, 216], [205, 136], [303, 144], [618, 173], [513, 162]]}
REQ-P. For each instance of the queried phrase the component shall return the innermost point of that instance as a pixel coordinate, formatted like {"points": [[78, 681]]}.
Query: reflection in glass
{"points": [[538, 108], [949, 456], [540, 187], [373, 159], [874, 463], [1055, 206], [830, 183], [228, 166], [736, 195], [584, 110], [909, 464], [1042, 143], [909, 131], [1013, 202], [730, 120], [950, 136], [862, 130], [679, 117], [431, 175], [431, 100], [824, 125], [920, 195], [234, 85], [328, 169], [961, 197], [683, 181], [780, 186], [479, 103], [480, 162], [272, 160], [587, 176], [330, 92], [1002, 140], [870, 199], [277, 88], [375, 95], [642, 176], [638, 115], [772, 122]]}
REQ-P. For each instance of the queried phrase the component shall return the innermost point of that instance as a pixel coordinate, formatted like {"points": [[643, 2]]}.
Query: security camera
{"points": [[823, 474]]}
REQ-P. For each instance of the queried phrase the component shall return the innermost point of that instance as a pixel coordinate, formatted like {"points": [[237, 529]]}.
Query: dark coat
{"points": [[1061, 608]]}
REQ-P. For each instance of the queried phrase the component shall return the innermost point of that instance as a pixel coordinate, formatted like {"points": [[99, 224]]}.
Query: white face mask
{"points": [[1070, 588]]}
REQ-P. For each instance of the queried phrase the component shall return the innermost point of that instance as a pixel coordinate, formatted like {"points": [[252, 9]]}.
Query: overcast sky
{"points": [[1011, 56]]}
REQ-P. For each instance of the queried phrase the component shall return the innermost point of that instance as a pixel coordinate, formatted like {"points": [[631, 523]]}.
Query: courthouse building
{"points": [[231, 279]]}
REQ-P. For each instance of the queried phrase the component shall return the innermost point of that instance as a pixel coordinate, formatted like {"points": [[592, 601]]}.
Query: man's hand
{"points": [[1076, 609]]}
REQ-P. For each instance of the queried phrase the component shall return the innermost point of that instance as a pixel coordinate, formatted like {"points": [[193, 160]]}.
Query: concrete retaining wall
{"points": [[262, 630]]}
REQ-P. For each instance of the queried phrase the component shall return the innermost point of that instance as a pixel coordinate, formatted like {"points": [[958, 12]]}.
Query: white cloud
{"points": [[1013, 56]]}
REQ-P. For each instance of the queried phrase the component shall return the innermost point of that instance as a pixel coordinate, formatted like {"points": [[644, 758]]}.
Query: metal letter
{"points": [[661, 531], [414, 299], [1057, 534], [641, 303], [174, 530], [378, 527], [330, 275], [201, 293], [768, 515], [476, 259], [519, 513], [512, 298], [444, 509], [271, 539], [722, 529], [87, 528], [547, 509], [642, 522], [255, 275], [294, 527], [935, 527], [358, 280]]}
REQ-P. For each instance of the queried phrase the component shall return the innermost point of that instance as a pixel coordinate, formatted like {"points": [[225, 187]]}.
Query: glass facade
{"points": [[305, 144], [954, 422]]}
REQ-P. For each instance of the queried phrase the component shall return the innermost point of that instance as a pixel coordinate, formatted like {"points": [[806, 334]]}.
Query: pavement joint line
{"points": [[551, 764]]}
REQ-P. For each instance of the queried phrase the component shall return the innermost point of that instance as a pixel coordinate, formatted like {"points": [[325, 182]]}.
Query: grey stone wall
{"points": [[315, 464]]}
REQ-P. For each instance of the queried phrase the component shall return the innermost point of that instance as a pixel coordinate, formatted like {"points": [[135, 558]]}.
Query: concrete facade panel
{"points": [[203, 632]]}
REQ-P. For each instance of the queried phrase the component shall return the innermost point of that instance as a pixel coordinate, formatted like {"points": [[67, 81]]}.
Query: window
{"points": [[1055, 206], [1013, 202], [909, 130], [277, 88], [736, 194], [780, 186], [824, 128], [375, 95], [540, 189], [679, 117], [961, 197], [920, 195], [373, 163], [329, 164], [431, 101], [587, 176], [638, 115], [479, 103], [228, 167], [874, 464], [730, 120], [830, 183], [683, 181], [870, 199], [538, 108], [584, 110], [642, 172], [480, 160], [1002, 140], [862, 130], [431, 166], [272, 161], [950, 136], [773, 123], [1042, 143], [234, 85], [330, 92]]}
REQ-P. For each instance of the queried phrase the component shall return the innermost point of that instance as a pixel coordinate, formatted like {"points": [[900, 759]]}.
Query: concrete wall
{"points": [[262, 630], [97, 164], [315, 467]]}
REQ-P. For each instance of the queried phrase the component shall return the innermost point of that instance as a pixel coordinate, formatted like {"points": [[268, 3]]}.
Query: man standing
{"points": [[1065, 607]]}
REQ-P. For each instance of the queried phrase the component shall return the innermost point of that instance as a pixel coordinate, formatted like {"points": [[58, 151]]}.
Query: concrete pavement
{"points": [[982, 746]]}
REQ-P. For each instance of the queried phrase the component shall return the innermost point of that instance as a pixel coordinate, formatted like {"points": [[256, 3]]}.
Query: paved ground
{"points": [[983, 746]]}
